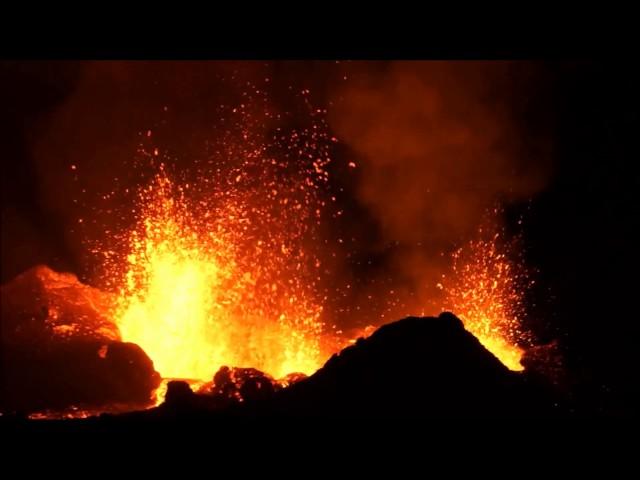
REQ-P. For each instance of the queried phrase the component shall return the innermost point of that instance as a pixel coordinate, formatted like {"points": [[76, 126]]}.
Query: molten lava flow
{"points": [[486, 292], [198, 295]]}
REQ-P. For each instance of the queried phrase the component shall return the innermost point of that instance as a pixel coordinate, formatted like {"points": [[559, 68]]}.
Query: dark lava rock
{"points": [[61, 350], [243, 384], [179, 394], [413, 368], [416, 367]]}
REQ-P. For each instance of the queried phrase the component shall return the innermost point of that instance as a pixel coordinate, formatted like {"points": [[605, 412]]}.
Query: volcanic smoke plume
{"points": [[436, 145], [209, 203]]}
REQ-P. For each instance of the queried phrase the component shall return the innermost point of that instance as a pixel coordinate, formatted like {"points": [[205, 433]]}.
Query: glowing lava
{"points": [[224, 265], [195, 299], [486, 292]]}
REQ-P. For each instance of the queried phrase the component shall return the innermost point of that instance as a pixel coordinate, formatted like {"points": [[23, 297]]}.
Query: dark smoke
{"points": [[436, 144]]}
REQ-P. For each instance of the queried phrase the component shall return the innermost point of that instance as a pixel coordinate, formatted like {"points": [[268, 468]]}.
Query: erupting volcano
{"points": [[196, 294], [227, 263], [221, 273], [225, 269], [203, 289]]}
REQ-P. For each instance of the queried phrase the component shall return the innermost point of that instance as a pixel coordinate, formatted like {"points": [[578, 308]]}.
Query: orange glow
{"points": [[194, 300], [224, 264], [197, 297], [486, 291], [69, 413]]}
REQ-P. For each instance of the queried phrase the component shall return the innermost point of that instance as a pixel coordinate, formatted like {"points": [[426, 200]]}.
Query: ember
{"points": [[240, 239], [224, 270], [190, 303], [486, 290], [225, 261]]}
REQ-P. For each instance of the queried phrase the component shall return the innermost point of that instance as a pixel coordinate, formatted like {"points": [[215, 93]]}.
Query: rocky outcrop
{"points": [[60, 349]]}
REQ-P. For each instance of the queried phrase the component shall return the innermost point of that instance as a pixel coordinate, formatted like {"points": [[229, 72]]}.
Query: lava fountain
{"points": [[486, 290], [194, 299], [222, 265], [226, 268], [203, 287]]}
